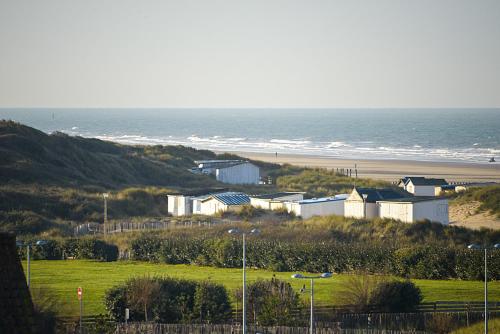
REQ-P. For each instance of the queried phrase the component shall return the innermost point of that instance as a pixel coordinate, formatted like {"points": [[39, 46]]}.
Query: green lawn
{"points": [[62, 278]]}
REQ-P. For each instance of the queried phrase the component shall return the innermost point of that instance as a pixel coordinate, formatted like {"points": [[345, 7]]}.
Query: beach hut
{"points": [[229, 171], [317, 206], [415, 208], [421, 186], [228, 201], [274, 201], [362, 202]]}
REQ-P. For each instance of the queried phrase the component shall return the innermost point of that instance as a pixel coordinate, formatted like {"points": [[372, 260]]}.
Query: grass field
{"points": [[62, 278]]}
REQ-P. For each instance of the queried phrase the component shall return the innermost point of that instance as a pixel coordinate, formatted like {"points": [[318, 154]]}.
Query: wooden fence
{"points": [[141, 328]]}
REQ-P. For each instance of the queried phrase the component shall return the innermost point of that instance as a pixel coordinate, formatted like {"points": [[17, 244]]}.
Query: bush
{"points": [[396, 296], [169, 300]]}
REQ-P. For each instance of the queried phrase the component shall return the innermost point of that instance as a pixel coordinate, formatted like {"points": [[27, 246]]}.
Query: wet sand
{"points": [[391, 170]]}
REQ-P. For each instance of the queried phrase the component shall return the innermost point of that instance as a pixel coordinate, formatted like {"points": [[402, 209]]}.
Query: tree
{"points": [[142, 292], [396, 296], [211, 303], [356, 292]]}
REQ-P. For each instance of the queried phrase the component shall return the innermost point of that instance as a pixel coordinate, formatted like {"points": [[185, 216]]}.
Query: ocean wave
{"points": [[337, 149]]}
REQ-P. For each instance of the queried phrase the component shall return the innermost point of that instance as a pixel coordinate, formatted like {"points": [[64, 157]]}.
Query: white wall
{"points": [[179, 205], [435, 211], [307, 210], [396, 210], [245, 173], [421, 190], [356, 209], [211, 206], [270, 204]]}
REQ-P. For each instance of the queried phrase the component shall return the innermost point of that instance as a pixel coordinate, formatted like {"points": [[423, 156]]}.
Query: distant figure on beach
{"points": [[492, 159], [276, 154]]}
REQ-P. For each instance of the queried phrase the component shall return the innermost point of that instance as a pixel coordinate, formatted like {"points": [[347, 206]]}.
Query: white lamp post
{"points": [[244, 315], [28, 257], [312, 278], [365, 196], [105, 196], [479, 247]]}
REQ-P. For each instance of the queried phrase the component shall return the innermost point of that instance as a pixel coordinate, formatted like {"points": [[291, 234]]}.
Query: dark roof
{"points": [[232, 198], [422, 181], [414, 199], [382, 194], [275, 195]]}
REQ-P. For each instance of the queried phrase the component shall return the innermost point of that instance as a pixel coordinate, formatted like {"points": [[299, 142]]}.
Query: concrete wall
{"points": [[16, 307], [245, 173]]}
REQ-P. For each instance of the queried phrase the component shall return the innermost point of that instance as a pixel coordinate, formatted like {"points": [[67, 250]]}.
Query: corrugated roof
{"points": [[335, 198], [374, 194], [232, 198]]}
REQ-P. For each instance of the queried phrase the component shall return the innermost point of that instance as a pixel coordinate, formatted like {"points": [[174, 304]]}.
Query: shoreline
{"points": [[389, 170]]}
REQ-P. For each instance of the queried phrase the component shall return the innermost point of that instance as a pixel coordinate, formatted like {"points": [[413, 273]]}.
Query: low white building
{"points": [[421, 186], [317, 206], [229, 201], [417, 208], [362, 202], [179, 205], [274, 201], [229, 171]]}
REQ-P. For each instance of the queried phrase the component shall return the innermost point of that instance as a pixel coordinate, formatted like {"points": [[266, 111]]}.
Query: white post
{"points": [[244, 320], [105, 195], [485, 291], [312, 307], [28, 267]]}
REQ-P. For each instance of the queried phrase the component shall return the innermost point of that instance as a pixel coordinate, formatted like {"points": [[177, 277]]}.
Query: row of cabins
{"points": [[410, 203]]}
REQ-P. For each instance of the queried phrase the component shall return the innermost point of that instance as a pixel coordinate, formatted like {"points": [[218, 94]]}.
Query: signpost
{"points": [[80, 298]]}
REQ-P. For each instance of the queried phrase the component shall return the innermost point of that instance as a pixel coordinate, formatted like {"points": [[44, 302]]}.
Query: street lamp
{"points": [[312, 278], [243, 234], [479, 247], [20, 244], [105, 196], [365, 196]]}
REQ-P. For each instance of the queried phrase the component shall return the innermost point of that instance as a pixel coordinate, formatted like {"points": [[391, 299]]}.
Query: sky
{"points": [[256, 53]]}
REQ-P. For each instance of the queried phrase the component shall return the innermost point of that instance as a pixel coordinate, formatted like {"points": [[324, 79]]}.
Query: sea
{"points": [[445, 135]]}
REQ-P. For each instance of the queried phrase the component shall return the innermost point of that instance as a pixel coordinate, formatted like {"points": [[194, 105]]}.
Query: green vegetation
{"points": [[319, 182], [493, 327], [489, 197], [61, 279], [169, 300]]}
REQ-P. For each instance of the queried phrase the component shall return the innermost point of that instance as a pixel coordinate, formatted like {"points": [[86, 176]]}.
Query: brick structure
{"points": [[16, 307]]}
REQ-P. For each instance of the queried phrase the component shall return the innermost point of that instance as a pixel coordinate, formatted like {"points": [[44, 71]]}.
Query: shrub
{"points": [[396, 296]]}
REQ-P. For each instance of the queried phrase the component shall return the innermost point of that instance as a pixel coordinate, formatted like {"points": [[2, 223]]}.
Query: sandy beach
{"points": [[391, 170]]}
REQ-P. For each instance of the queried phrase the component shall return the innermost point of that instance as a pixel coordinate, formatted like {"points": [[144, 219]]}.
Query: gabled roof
{"points": [[374, 194], [275, 195], [422, 181], [230, 198]]}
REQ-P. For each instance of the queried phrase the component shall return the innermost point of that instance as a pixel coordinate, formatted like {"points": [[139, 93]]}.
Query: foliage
{"points": [[175, 300], [356, 292], [493, 327], [271, 302], [396, 296], [489, 197]]}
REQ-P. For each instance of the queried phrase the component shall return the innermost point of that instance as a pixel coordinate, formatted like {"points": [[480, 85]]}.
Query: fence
{"points": [[136, 328], [125, 226]]}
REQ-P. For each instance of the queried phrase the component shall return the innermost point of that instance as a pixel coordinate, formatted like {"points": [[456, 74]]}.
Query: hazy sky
{"points": [[208, 53]]}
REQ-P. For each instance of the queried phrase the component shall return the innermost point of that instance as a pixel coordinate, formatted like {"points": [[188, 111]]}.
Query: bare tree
{"points": [[356, 291], [142, 293]]}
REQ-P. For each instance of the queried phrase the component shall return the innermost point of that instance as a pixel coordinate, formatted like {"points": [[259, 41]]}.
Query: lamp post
{"points": [[479, 247], [312, 278], [28, 257], [105, 196], [244, 315], [365, 196]]}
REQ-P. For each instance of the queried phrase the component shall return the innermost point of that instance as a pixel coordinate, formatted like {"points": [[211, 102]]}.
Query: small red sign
{"points": [[80, 293]]}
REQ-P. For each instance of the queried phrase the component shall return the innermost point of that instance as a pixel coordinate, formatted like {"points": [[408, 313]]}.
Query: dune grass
{"points": [[61, 279], [493, 327]]}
